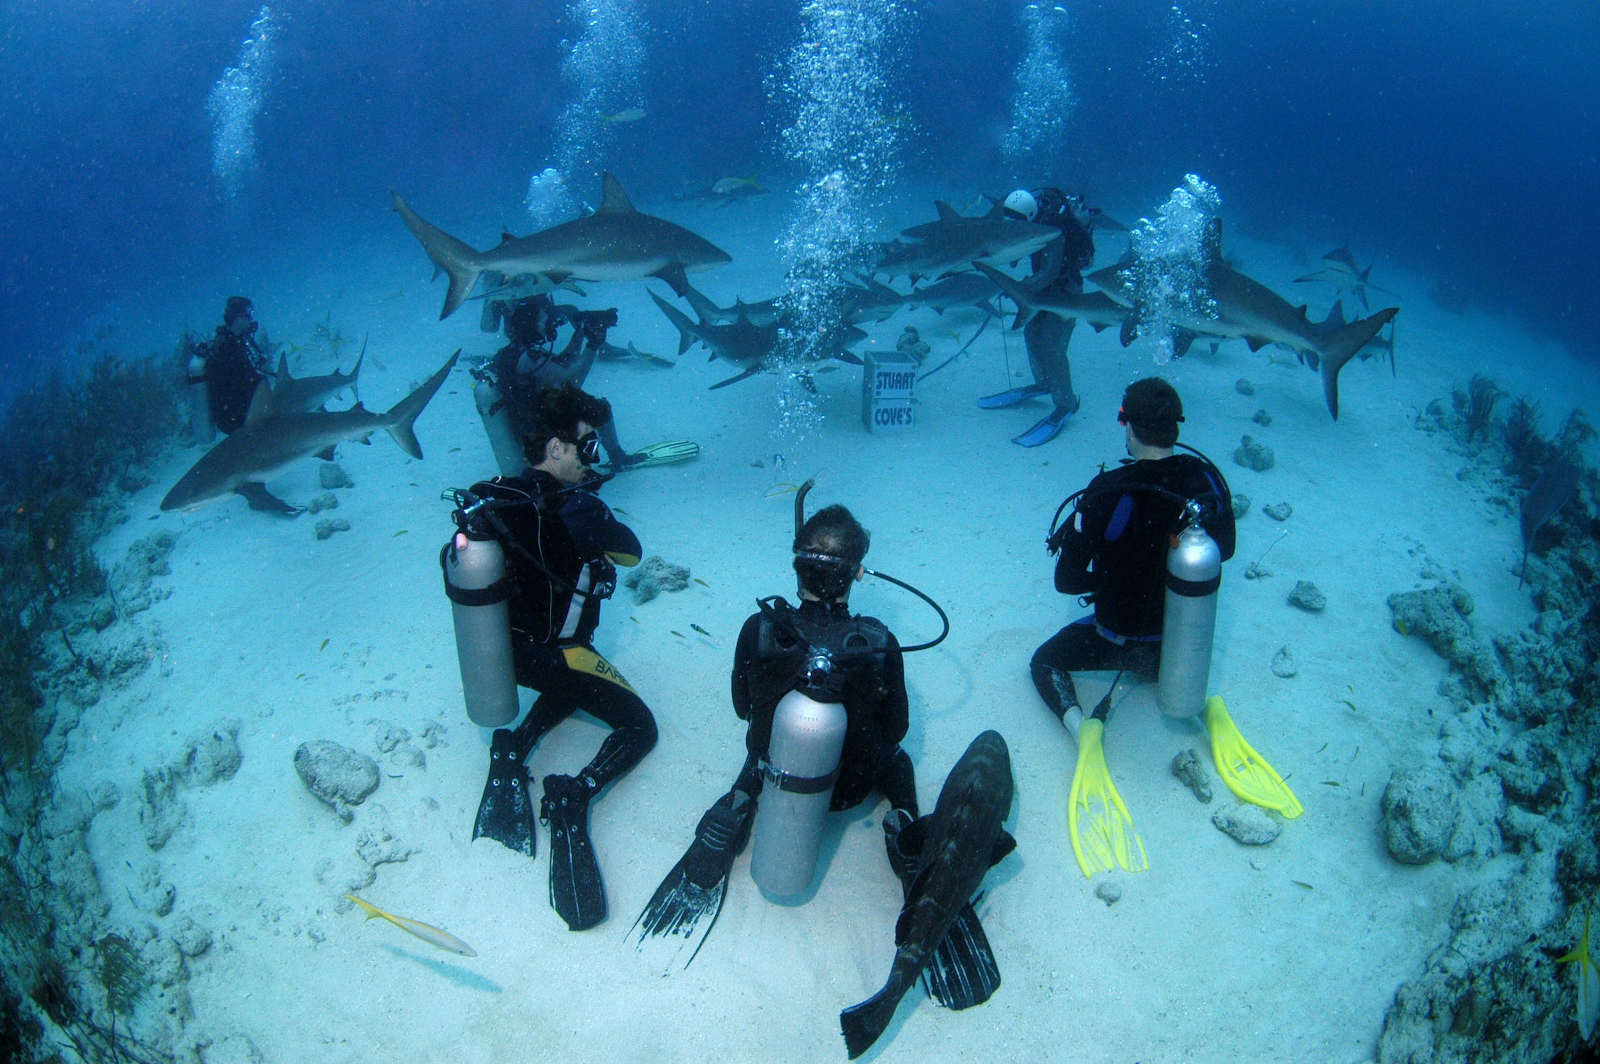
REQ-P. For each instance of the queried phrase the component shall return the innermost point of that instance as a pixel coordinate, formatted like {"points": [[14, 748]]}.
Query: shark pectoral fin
{"points": [[1004, 847], [326, 454], [751, 372], [673, 274], [1256, 342], [1129, 331], [1099, 326], [850, 357], [260, 498]]}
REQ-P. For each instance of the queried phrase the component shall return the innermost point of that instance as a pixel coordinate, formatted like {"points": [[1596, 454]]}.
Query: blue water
{"points": [[1460, 139]]}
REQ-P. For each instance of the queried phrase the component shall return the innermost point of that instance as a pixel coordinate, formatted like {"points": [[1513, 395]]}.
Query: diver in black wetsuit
{"points": [[530, 362], [234, 365], [1048, 335], [559, 557], [1113, 549]]}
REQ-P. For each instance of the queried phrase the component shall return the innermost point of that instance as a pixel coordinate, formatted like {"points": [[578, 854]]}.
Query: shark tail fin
{"points": [[704, 309], [1026, 307], [1341, 346], [863, 1024], [686, 333], [403, 415], [455, 258]]}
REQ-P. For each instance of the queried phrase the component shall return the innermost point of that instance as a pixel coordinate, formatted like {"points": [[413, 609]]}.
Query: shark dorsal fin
{"points": [[947, 213], [612, 199], [260, 405], [998, 210], [283, 366]]}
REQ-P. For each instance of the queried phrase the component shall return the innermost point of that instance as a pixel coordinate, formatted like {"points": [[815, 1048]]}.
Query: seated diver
{"points": [[560, 543], [777, 653], [531, 362], [235, 365], [1113, 549]]}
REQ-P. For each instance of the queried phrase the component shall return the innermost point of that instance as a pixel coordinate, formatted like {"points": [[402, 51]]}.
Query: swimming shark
{"points": [[961, 841], [954, 241], [1340, 268], [743, 343], [615, 243], [298, 395], [1251, 311], [270, 442], [763, 312], [957, 290], [870, 301], [1099, 310]]}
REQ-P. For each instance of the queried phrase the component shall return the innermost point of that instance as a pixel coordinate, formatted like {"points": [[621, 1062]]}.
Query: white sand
{"points": [[1213, 955]]}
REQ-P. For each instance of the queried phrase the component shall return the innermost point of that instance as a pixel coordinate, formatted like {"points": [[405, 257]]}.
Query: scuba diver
{"points": [[530, 362], [1145, 545], [234, 364], [823, 691], [560, 542], [1058, 266]]}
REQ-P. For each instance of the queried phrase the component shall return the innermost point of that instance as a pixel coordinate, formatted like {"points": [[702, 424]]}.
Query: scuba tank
{"points": [[1194, 573], [475, 582], [200, 423], [802, 765], [497, 424]]}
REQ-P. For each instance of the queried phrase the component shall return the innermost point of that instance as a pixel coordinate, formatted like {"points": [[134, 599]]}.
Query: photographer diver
{"points": [[527, 570], [1145, 544], [824, 693]]}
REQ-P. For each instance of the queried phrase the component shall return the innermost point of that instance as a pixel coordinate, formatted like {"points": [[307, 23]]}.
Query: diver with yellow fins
{"points": [[1145, 544]]}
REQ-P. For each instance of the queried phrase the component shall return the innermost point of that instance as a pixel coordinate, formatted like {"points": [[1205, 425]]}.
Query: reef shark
{"points": [[615, 243], [270, 442], [299, 395], [955, 241], [1340, 269], [1096, 308], [763, 313], [743, 343], [1251, 311], [960, 842]]}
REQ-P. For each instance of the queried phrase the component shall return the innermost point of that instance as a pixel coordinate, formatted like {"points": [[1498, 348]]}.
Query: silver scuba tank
{"points": [[497, 423], [802, 765], [201, 426], [475, 581], [1194, 573]]}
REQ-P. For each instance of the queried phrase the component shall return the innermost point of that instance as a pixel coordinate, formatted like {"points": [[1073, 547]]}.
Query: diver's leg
{"points": [[620, 459], [899, 782], [1079, 647], [1047, 337]]}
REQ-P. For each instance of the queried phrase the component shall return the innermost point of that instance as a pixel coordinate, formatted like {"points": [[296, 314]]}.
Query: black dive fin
{"points": [[506, 812], [260, 498], [962, 972], [576, 891], [686, 905]]}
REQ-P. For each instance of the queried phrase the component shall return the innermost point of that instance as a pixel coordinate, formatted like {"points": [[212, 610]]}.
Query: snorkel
{"points": [[844, 569]]}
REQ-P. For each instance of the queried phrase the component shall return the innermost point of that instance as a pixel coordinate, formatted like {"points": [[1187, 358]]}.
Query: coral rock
{"points": [[337, 775]]}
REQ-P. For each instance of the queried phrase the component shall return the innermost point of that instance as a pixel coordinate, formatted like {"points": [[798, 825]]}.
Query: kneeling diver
{"points": [[824, 693], [559, 542]]}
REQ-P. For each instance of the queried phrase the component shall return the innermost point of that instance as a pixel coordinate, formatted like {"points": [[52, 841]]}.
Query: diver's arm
{"points": [[1076, 552], [743, 653], [596, 530], [894, 713]]}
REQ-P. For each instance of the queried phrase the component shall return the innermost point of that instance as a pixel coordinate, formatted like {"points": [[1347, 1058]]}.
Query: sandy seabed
{"points": [[1290, 952]]}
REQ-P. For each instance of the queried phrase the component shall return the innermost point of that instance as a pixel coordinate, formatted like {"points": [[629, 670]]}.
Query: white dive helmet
{"points": [[1021, 202]]}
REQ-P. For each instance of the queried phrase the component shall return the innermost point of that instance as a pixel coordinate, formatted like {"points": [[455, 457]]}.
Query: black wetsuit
{"points": [[1047, 335], [767, 662], [561, 551], [530, 363], [1114, 549], [231, 377]]}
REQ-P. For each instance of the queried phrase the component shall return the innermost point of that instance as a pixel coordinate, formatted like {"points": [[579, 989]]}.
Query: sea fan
{"points": [[121, 973]]}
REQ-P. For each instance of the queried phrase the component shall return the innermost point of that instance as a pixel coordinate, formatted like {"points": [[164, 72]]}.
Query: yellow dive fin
{"points": [[1588, 982], [1246, 772], [1111, 841]]}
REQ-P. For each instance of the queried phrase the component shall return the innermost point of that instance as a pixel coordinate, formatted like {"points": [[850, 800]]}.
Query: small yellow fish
{"points": [[623, 117], [679, 634], [323, 647], [453, 450], [398, 534], [427, 932], [701, 582], [1588, 981], [725, 185], [785, 488]]}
